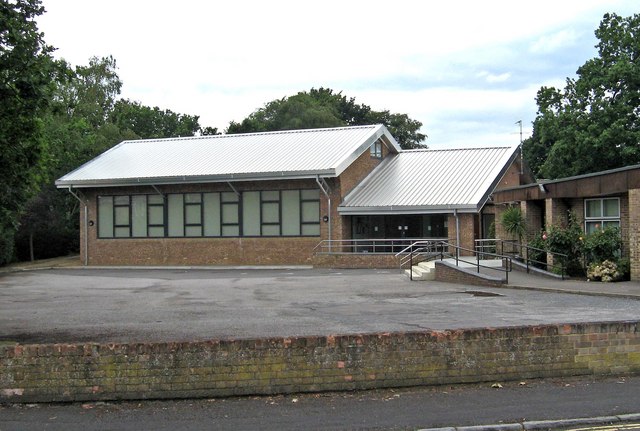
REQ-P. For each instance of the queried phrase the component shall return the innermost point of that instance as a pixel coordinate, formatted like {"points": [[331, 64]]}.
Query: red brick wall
{"points": [[200, 251], [467, 230], [218, 368], [634, 233]]}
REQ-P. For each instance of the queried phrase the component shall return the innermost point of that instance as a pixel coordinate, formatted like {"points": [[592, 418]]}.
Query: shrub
{"points": [[606, 271], [513, 222], [602, 245], [567, 240]]}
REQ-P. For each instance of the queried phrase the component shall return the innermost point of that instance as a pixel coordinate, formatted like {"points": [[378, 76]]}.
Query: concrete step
{"points": [[423, 271]]}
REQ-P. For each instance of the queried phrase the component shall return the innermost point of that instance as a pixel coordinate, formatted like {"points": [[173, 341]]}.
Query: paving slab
{"points": [[130, 305]]}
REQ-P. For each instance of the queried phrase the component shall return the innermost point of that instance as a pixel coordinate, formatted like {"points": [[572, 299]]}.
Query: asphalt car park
{"points": [[145, 305]]}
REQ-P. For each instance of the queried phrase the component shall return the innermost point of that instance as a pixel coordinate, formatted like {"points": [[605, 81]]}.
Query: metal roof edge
{"points": [[92, 160], [378, 132], [511, 158], [437, 209], [129, 182]]}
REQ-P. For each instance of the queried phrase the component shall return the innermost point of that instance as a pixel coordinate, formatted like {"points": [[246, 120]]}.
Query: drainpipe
{"points": [[326, 190], [455, 214], [86, 227]]}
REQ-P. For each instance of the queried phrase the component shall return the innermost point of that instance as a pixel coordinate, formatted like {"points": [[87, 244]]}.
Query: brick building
{"points": [[270, 198], [597, 200]]}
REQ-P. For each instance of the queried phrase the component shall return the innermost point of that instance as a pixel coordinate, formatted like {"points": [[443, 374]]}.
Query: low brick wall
{"points": [[79, 372], [450, 273], [355, 260]]}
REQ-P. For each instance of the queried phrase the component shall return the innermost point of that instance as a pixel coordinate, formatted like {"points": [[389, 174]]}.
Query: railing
{"points": [[420, 251], [530, 256], [386, 246]]}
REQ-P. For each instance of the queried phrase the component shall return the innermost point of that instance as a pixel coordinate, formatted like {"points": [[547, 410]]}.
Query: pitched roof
{"points": [[431, 181], [242, 157]]}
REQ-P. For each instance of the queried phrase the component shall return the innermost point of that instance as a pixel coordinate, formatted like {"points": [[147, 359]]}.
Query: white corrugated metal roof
{"points": [[431, 181], [269, 155]]}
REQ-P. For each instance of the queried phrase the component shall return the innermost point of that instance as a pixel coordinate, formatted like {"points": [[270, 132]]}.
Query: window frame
{"points": [[265, 202], [601, 219], [375, 150]]}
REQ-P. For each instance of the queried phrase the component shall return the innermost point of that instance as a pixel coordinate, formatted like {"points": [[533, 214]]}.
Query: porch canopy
{"points": [[440, 181]]}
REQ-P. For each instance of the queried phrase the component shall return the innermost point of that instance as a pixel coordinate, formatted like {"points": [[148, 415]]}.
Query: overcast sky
{"points": [[468, 70]]}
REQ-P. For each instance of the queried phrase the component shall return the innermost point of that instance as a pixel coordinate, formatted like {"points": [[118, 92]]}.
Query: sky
{"points": [[468, 70]]}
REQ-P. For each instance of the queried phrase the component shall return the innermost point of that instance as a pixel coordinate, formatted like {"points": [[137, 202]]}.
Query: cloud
{"points": [[550, 43], [467, 70], [492, 78]]}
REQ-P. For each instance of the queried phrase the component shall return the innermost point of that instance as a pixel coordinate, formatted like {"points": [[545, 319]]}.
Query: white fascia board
{"points": [[127, 182], [448, 209], [377, 133]]}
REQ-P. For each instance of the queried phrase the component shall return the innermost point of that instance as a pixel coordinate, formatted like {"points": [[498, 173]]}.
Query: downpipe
{"points": [[86, 227]]}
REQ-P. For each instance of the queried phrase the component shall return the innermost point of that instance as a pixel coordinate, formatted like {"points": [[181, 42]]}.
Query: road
{"points": [[411, 408]]}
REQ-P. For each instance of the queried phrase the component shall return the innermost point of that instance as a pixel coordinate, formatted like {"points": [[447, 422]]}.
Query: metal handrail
{"points": [[365, 245], [525, 256], [418, 247]]}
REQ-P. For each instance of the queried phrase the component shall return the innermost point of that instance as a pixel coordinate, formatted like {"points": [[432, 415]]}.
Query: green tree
{"points": [[323, 108], [594, 123], [25, 78], [146, 122]]}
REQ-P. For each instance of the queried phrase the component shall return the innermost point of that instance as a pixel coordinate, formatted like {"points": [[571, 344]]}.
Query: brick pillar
{"points": [[634, 233], [555, 215], [532, 213]]}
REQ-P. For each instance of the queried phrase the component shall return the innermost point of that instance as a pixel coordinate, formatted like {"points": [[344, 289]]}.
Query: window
{"points": [[376, 149], [270, 213], [210, 214], [121, 216], [155, 216], [601, 213], [193, 214], [230, 212], [310, 212]]}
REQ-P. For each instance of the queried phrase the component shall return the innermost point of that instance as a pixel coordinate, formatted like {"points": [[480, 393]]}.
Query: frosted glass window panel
{"points": [[270, 212], [175, 215], [105, 216], [156, 215], [251, 213], [310, 212], [122, 216], [139, 215], [291, 212], [193, 214], [211, 214], [310, 229], [310, 194]]}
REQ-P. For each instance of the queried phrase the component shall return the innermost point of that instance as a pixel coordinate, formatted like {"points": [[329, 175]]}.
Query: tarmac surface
{"points": [[175, 304]]}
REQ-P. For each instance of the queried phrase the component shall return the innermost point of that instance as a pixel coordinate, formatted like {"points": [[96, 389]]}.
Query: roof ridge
{"points": [[492, 147], [270, 132]]}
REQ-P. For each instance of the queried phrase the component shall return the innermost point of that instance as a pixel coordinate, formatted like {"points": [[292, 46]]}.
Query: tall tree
{"points": [[324, 108], [25, 78], [146, 122], [594, 123]]}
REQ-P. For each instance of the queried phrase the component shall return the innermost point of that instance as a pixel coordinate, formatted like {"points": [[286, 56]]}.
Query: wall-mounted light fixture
{"points": [[325, 219]]}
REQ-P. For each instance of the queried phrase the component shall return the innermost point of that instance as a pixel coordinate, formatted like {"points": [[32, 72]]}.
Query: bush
{"points": [[567, 240], [606, 271], [513, 222], [602, 245]]}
